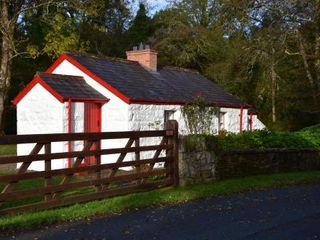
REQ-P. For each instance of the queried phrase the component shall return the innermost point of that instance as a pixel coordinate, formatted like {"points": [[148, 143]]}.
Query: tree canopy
{"points": [[267, 52]]}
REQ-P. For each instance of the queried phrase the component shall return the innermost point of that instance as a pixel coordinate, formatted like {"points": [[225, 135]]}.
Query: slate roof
{"points": [[73, 87], [166, 85]]}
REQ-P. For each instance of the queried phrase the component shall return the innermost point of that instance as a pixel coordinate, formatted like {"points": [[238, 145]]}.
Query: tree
{"points": [[13, 13], [307, 43], [202, 13], [104, 27], [141, 27]]}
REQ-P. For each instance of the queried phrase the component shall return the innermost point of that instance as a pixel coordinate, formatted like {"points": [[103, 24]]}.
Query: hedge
{"points": [[265, 139]]}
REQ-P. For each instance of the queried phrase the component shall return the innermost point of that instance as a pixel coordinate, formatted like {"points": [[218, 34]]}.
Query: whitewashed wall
{"points": [[151, 117], [77, 124], [114, 113], [256, 123], [37, 113]]}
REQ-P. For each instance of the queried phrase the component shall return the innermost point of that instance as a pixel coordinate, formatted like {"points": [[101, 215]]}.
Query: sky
{"points": [[155, 5], [158, 4]]}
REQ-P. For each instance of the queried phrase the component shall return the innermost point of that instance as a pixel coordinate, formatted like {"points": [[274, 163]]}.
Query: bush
{"points": [[263, 139]]}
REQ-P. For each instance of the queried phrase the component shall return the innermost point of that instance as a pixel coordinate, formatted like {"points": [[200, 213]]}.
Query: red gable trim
{"points": [[89, 73], [35, 81]]}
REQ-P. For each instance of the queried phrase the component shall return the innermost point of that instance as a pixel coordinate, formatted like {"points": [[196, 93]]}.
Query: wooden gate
{"points": [[62, 186]]}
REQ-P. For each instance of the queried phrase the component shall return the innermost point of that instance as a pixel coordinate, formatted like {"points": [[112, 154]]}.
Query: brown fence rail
{"points": [[83, 183]]}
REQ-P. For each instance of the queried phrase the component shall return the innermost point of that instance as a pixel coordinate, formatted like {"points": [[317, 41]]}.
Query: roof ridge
{"points": [[103, 57]]}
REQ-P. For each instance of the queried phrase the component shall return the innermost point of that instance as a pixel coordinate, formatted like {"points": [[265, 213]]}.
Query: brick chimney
{"points": [[145, 56]]}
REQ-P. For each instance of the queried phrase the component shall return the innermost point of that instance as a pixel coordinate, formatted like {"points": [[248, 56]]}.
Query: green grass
{"points": [[8, 149], [155, 198], [38, 183]]}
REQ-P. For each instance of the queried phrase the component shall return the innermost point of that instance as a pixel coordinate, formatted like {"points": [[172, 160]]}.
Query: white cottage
{"points": [[83, 93]]}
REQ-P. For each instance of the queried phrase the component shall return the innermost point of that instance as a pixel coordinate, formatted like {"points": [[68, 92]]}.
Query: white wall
{"points": [[256, 123], [114, 113], [151, 117], [77, 124], [37, 113]]}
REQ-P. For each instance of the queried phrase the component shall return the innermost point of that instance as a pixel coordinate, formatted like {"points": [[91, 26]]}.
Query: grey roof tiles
{"points": [[166, 85], [73, 87]]}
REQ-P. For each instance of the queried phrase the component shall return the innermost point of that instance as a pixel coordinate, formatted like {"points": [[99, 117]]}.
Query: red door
{"points": [[92, 123]]}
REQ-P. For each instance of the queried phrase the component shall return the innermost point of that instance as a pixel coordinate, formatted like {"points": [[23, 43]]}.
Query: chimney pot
{"points": [[135, 48], [141, 46]]}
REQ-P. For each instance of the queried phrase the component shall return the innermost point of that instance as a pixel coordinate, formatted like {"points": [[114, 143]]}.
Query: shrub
{"points": [[263, 139]]}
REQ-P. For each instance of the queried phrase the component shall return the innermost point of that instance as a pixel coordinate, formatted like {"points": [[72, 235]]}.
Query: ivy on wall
{"points": [[198, 116]]}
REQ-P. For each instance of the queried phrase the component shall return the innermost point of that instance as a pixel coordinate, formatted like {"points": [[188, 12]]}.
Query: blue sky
{"points": [[158, 4], [155, 5]]}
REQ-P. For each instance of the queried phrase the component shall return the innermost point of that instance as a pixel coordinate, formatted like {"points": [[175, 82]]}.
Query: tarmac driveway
{"points": [[284, 213]]}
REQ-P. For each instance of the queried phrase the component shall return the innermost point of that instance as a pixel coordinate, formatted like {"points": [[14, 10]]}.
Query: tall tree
{"points": [[13, 13], [105, 26], [141, 27]]}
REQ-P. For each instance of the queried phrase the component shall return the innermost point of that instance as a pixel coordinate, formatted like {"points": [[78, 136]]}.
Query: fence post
{"points": [[98, 163], [172, 125], [47, 167]]}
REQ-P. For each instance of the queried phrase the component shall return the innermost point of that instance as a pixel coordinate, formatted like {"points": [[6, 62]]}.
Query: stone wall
{"points": [[196, 161], [200, 161]]}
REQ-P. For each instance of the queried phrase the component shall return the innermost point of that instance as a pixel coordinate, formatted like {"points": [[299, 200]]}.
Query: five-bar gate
{"points": [[80, 183]]}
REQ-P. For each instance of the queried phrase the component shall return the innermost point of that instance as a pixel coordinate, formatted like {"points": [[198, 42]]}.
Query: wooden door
{"points": [[92, 123]]}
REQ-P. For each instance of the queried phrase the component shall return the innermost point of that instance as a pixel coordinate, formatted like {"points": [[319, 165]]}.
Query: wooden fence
{"points": [[105, 180]]}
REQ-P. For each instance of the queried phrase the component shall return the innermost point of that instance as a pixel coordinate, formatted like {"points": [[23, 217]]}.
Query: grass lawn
{"points": [[38, 183], [155, 198], [8, 149]]}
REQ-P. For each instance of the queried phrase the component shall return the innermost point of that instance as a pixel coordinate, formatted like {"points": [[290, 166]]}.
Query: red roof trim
{"points": [[162, 102], [56, 63], [30, 85], [96, 100], [89, 73], [37, 80]]}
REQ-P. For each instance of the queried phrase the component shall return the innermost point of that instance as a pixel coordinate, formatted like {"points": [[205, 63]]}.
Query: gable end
{"points": [[27, 89], [89, 73]]}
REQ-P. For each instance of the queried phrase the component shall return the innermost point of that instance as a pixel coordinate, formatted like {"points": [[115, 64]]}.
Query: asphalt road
{"points": [[286, 213]]}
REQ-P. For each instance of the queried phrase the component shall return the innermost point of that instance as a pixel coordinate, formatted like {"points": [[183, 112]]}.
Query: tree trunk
{"points": [[7, 30], [307, 68], [317, 62], [273, 87]]}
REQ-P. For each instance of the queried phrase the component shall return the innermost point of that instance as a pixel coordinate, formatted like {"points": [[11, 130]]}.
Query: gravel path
{"points": [[284, 213]]}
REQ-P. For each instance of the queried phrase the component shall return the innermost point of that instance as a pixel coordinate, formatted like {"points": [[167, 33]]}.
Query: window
{"points": [[222, 121], [168, 115]]}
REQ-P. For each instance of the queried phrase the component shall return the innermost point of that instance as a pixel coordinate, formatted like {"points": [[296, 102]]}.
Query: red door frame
{"points": [[99, 103]]}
